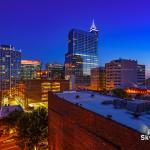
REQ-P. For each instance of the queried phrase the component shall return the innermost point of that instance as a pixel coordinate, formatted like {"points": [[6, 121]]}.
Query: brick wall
{"points": [[72, 127]]}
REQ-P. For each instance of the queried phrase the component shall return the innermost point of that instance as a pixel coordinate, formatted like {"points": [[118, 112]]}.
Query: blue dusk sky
{"points": [[40, 27]]}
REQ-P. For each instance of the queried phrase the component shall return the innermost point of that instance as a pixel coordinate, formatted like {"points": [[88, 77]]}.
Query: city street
{"points": [[7, 143]]}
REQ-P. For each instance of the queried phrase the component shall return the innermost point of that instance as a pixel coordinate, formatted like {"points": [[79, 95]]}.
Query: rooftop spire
{"points": [[93, 27]]}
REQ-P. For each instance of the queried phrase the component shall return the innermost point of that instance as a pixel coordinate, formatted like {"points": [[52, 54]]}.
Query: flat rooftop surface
{"points": [[94, 104]]}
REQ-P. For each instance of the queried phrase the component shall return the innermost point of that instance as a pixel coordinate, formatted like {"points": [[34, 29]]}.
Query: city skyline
{"points": [[74, 74], [123, 27]]}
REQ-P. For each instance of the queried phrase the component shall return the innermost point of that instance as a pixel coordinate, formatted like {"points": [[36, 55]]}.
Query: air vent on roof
{"points": [[109, 116], [107, 102], [138, 106], [92, 95], [119, 103], [77, 96]]}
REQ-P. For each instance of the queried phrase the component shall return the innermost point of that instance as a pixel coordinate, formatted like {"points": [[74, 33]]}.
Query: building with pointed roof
{"points": [[93, 27], [82, 54]]}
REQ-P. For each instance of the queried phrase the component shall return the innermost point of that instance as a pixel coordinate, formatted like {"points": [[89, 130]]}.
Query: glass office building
{"points": [[10, 65], [82, 54], [55, 71], [29, 68]]}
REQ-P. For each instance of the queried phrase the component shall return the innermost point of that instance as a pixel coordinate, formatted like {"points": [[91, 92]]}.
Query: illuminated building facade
{"points": [[49, 86], [123, 73], [37, 90], [98, 78], [10, 66], [87, 124], [29, 68], [55, 71], [82, 54], [141, 91], [41, 74]]}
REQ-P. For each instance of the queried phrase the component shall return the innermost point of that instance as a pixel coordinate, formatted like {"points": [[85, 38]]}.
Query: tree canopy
{"points": [[31, 127], [120, 93]]}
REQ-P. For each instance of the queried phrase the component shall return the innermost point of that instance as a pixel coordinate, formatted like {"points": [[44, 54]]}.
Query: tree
{"points": [[12, 119], [120, 93], [32, 129], [38, 130], [23, 135]]}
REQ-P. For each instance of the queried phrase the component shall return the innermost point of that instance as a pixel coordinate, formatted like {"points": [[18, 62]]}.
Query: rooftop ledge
{"points": [[134, 114]]}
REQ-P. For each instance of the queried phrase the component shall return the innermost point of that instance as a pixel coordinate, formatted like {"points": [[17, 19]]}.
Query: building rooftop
{"points": [[8, 48], [124, 60], [124, 114], [30, 62]]}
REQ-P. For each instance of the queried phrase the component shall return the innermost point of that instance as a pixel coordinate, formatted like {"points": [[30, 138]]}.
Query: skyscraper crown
{"points": [[93, 27]]}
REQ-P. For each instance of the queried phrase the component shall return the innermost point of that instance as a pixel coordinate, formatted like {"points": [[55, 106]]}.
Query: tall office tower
{"points": [[141, 75], [82, 54], [29, 68], [98, 78], [55, 71], [10, 65], [123, 72]]}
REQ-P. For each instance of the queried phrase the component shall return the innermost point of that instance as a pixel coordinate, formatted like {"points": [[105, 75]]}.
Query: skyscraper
{"points": [[82, 54], [55, 71], [10, 65], [29, 68]]}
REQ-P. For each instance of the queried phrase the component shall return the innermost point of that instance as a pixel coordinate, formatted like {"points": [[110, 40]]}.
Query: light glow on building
{"points": [[30, 62], [137, 91]]}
